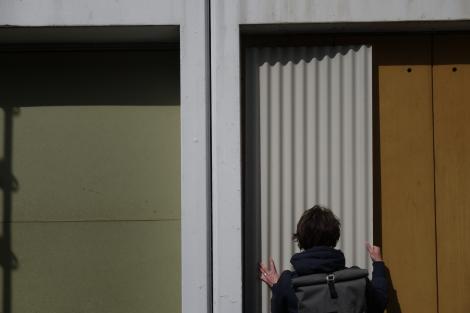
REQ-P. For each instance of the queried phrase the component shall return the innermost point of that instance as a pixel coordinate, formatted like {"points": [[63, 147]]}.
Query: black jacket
{"points": [[325, 260]]}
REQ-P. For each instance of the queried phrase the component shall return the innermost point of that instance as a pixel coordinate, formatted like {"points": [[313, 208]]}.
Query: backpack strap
{"points": [[342, 275]]}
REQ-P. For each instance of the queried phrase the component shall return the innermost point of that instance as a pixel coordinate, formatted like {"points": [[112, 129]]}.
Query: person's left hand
{"points": [[374, 253], [269, 274]]}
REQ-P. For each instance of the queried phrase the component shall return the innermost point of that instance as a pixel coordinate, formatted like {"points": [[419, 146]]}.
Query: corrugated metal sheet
{"points": [[315, 144]]}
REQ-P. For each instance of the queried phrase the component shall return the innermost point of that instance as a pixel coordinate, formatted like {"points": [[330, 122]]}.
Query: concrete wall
{"points": [[318, 11], [165, 12], [90, 12]]}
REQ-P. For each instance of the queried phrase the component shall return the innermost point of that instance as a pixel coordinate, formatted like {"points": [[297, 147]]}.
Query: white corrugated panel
{"points": [[315, 144]]}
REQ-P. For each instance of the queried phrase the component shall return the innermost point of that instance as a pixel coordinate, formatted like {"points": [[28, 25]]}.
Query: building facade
{"points": [[154, 151]]}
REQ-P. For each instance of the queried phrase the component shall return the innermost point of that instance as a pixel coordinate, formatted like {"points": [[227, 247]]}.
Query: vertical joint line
{"points": [[432, 48], [210, 253], [329, 128], [354, 150], [281, 154], [341, 143], [293, 186]]}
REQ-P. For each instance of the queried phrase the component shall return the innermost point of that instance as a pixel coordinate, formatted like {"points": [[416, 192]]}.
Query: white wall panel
{"points": [[225, 159], [91, 12], [196, 284], [315, 144], [308, 11]]}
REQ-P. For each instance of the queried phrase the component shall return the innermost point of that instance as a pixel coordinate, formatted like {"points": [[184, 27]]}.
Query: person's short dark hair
{"points": [[318, 226]]}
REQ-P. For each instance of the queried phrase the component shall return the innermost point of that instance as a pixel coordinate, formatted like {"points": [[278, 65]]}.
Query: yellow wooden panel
{"points": [[451, 82], [407, 171]]}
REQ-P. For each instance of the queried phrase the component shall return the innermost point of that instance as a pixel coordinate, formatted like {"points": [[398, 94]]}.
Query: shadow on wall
{"points": [[84, 78], [273, 55], [8, 184]]}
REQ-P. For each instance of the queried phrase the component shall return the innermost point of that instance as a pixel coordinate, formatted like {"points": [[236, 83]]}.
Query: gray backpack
{"points": [[338, 292]]}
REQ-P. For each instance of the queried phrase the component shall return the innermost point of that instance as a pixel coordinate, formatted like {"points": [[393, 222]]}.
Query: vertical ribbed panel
{"points": [[315, 137]]}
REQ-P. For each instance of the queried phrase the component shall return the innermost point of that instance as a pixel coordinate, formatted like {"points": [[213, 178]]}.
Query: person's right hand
{"points": [[269, 274], [374, 253]]}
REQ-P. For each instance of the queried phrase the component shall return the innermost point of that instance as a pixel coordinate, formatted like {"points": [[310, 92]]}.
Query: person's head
{"points": [[318, 226]]}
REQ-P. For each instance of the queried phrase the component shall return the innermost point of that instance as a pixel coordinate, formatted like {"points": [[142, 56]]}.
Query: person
{"points": [[318, 232]]}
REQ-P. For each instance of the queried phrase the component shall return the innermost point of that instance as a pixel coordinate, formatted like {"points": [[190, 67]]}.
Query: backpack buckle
{"points": [[330, 280]]}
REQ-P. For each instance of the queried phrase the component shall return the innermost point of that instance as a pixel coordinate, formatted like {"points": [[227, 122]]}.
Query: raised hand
{"points": [[269, 274], [374, 252]]}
